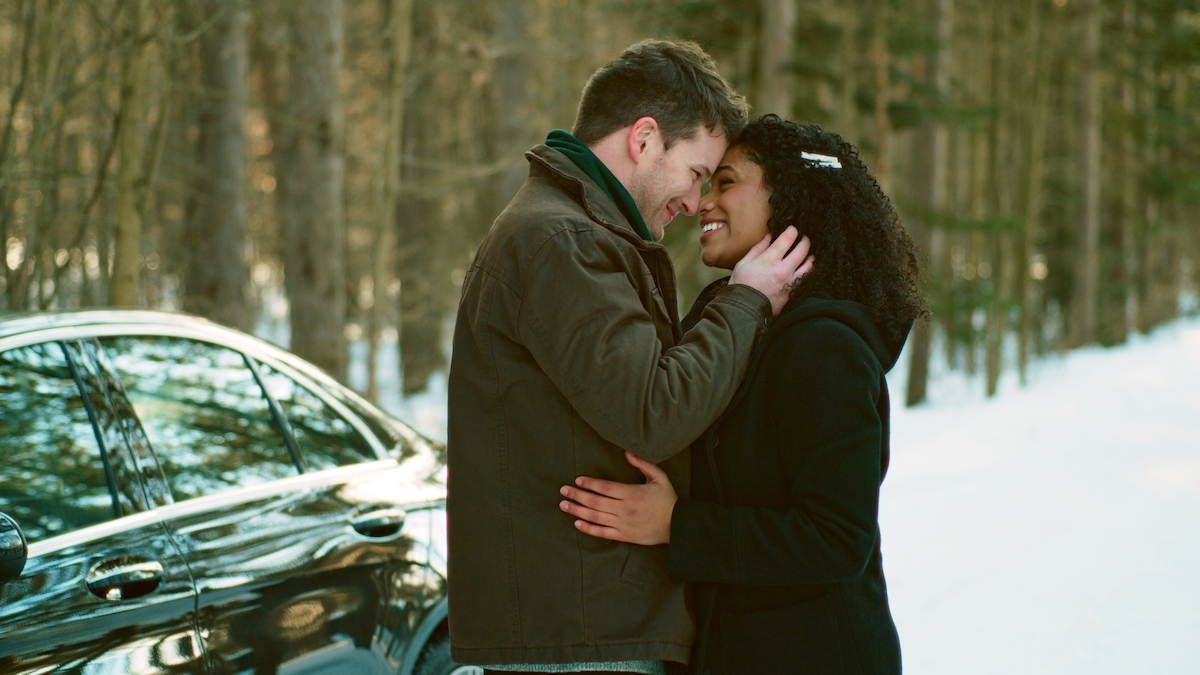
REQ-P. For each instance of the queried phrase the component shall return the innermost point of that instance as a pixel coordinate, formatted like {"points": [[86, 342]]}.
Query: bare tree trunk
{"points": [[429, 132], [14, 290], [775, 83], [849, 58], [998, 312], [399, 39], [310, 185], [1085, 294], [1038, 76], [511, 93], [123, 290], [575, 23], [216, 273], [879, 59], [981, 164], [939, 147], [1002, 170], [1151, 239], [104, 247], [1164, 273], [1130, 167], [450, 128]]}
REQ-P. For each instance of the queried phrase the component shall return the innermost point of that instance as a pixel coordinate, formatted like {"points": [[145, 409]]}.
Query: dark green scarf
{"points": [[583, 157]]}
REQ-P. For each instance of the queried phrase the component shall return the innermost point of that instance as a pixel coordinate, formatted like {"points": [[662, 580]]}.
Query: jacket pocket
{"points": [[637, 565], [800, 638]]}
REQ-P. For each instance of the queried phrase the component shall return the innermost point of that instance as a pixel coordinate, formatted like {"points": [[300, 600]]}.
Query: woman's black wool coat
{"points": [[781, 531]]}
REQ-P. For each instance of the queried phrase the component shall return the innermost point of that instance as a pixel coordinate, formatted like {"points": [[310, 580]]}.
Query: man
{"points": [[568, 351]]}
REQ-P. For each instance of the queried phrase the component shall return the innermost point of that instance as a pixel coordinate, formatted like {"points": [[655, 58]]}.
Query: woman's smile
{"points": [[708, 226]]}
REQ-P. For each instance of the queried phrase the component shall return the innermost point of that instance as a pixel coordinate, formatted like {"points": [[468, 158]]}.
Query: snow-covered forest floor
{"points": [[1054, 528]]}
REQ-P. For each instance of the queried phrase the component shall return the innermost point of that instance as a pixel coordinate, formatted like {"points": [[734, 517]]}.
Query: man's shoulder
{"points": [[543, 219], [543, 205]]}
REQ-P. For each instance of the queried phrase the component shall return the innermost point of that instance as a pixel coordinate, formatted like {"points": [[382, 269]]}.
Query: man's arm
{"points": [[584, 324], [829, 531], [774, 268]]}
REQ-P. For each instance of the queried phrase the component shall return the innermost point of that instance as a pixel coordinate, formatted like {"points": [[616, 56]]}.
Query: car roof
{"points": [[33, 322], [27, 322]]}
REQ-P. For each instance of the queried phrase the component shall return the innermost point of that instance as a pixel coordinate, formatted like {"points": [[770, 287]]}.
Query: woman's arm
{"points": [[823, 381]]}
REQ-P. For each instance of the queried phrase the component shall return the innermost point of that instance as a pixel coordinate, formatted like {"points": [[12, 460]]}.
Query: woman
{"points": [[780, 530]]}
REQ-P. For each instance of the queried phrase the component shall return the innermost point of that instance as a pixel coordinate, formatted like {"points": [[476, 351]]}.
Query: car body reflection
{"points": [[309, 539]]}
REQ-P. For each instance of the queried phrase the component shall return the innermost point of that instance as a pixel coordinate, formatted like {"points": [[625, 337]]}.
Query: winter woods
{"points": [[320, 172]]}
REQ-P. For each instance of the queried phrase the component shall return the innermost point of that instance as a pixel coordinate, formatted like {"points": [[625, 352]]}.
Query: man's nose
{"points": [[691, 202]]}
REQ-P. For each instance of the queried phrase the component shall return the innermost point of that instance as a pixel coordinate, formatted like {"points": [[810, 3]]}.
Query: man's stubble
{"points": [[650, 194]]}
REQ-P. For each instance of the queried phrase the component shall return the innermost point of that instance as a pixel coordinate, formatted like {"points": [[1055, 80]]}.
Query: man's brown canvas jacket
{"points": [[568, 350]]}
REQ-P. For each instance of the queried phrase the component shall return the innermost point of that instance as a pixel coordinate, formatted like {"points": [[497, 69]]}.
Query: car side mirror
{"points": [[14, 550]]}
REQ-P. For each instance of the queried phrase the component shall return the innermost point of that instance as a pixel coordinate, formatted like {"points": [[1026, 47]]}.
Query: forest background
{"points": [[320, 172]]}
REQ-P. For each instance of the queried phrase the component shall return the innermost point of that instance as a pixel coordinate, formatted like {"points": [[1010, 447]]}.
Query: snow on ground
{"points": [[1054, 528]]}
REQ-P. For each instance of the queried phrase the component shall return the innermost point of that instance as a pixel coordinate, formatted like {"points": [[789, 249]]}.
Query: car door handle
{"points": [[382, 523], [125, 581]]}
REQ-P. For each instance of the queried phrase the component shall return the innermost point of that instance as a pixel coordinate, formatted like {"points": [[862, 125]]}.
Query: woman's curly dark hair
{"points": [[862, 252]]}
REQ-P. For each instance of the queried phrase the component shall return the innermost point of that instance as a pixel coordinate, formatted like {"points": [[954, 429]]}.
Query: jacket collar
{"points": [[598, 205]]}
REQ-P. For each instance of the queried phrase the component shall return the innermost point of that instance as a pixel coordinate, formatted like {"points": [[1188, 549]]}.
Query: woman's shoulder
{"points": [[824, 321], [815, 343], [817, 363], [819, 329]]}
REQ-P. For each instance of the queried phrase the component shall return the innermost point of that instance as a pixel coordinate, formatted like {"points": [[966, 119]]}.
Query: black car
{"points": [[181, 497]]}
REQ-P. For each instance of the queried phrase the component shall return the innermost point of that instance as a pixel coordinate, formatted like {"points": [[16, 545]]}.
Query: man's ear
{"points": [[644, 139]]}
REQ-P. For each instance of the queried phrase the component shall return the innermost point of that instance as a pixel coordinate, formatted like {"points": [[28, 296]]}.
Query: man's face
{"points": [[668, 181]]}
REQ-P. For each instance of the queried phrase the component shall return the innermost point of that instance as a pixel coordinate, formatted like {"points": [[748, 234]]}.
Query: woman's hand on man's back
{"points": [[635, 514]]}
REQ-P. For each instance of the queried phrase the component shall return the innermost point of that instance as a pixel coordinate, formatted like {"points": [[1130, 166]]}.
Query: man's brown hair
{"points": [[676, 83]]}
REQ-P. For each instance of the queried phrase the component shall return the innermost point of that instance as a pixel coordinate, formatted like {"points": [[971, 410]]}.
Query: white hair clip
{"points": [[826, 161]]}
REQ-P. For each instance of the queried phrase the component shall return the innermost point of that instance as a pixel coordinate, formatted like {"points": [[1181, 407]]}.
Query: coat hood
{"points": [[849, 313], [853, 314]]}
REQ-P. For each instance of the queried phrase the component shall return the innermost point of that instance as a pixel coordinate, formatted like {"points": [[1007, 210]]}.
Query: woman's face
{"points": [[734, 213]]}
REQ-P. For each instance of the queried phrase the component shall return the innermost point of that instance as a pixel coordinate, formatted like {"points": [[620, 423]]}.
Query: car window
{"points": [[114, 442], [52, 477], [126, 426], [203, 412], [326, 439], [377, 424]]}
